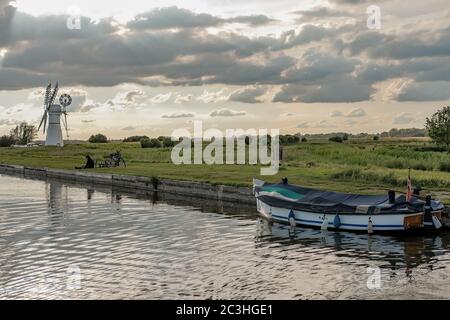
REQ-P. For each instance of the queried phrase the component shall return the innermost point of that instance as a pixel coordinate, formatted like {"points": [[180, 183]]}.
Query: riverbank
{"points": [[195, 189], [355, 166]]}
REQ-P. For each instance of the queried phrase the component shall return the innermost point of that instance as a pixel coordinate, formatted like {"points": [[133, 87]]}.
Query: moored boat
{"points": [[296, 205]]}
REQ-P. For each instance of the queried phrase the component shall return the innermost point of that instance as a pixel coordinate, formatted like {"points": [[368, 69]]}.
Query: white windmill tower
{"points": [[53, 112]]}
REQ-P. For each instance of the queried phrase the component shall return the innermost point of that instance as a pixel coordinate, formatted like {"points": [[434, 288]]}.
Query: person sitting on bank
{"points": [[90, 163]]}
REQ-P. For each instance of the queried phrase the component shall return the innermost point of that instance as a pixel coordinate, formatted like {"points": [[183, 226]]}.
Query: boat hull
{"points": [[353, 222]]}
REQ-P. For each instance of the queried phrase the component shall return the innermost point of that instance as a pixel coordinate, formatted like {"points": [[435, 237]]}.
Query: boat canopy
{"points": [[286, 195]]}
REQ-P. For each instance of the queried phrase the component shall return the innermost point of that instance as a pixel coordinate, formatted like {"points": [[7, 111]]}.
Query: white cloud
{"points": [[183, 98], [178, 115], [212, 97], [161, 98]]}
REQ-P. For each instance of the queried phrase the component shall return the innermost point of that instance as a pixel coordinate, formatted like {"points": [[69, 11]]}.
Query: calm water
{"points": [[69, 241]]}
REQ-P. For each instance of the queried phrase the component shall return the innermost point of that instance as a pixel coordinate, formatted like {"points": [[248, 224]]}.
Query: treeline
{"points": [[393, 133]]}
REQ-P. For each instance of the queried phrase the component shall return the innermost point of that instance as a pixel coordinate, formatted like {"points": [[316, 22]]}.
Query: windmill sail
{"points": [[47, 95], [53, 96], [43, 120]]}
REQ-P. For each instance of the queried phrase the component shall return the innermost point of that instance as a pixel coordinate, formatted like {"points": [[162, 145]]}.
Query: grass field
{"points": [[362, 166]]}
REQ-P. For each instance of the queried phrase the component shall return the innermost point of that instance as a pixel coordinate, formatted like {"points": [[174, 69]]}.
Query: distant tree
{"points": [[151, 143], [135, 138], [23, 133], [345, 137], [336, 139], [6, 141], [304, 139], [376, 138], [167, 142], [98, 138], [438, 127]]}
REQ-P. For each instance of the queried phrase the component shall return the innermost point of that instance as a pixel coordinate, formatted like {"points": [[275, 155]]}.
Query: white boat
{"points": [[296, 205]]}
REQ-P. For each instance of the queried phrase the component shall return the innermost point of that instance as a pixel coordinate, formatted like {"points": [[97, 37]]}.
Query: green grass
{"points": [[362, 166]]}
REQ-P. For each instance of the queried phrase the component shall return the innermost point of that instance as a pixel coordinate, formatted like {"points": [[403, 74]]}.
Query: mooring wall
{"points": [[196, 189]]}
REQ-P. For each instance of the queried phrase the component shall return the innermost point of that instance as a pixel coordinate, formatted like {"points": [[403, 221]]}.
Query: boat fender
{"points": [[337, 221], [370, 226], [437, 224], [291, 218], [324, 223]]}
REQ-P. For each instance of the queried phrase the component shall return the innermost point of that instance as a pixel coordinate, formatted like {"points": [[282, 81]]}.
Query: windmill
{"points": [[53, 113]]}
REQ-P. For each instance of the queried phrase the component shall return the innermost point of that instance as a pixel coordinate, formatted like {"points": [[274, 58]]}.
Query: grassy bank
{"points": [[362, 166]]}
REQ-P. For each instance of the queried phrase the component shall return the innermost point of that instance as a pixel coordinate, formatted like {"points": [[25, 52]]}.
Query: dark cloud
{"points": [[335, 89], [336, 63], [425, 91], [224, 112]]}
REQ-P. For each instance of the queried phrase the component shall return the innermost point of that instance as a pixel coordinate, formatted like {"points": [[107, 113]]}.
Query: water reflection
{"points": [[130, 244], [397, 251]]}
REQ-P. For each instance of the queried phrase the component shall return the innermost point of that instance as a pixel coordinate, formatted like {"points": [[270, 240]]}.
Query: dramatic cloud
{"points": [[178, 115], [323, 59], [224, 112]]}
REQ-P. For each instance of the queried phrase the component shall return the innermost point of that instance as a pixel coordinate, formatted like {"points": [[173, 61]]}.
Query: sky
{"points": [[149, 67]]}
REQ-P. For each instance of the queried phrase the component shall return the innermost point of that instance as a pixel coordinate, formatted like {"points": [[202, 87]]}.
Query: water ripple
{"points": [[62, 241]]}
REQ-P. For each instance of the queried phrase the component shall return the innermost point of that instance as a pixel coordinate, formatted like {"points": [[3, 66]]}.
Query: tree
{"points": [[6, 141], [23, 133], [438, 127], [150, 143], [98, 138], [376, 138], [134, 138], [336, 139]]}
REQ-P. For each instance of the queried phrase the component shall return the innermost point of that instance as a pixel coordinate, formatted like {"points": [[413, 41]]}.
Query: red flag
{"points": [[409, 190]]}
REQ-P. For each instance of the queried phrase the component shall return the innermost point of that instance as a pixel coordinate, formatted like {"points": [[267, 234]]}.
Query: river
{"points": [[60, 240]]}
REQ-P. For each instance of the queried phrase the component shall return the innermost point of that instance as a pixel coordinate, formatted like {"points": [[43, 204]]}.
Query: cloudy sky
{"points": [[149, 67]]}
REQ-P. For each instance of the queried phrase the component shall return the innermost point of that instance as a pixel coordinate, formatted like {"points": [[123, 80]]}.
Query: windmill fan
{"points": [[65, 100]]}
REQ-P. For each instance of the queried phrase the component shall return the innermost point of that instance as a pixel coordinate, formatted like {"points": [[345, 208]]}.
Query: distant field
{"points": [[363, 166]]}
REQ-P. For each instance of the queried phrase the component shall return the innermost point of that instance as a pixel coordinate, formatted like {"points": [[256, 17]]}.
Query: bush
{"points": [[336, 139], [167, 142], [444, 166], [376, 138], [7, 141], [151, 143], [98, 138], [135, 138], [304, 139]]}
